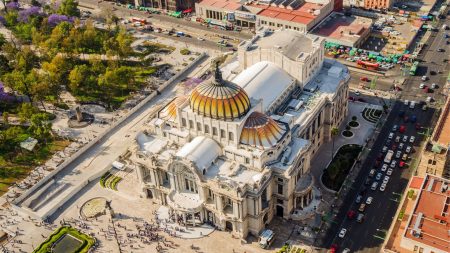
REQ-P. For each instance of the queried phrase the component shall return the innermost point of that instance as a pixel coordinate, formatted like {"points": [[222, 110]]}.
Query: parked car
{"points": [[382, 187], [385, 179], [369, 200], [372, 172], [412, 139], [433, 86], [351, 214], [424, 78], [422, 85], [391, 135], [384, 167], [401, 164], [367, 181], [405, 157], [378, 176], [397, 139], [402, 129], [398, 154], [400, 146], [364, 79], [385, 149], [394, 128]]}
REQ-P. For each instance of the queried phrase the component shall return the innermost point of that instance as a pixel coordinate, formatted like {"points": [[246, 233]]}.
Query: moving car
{"points": [[389, 171], [379, 176], [362, 207], [364, 79], [342, 233], [359, 219], [374, 186], [408, 149], [405, 138], [369, 200], [393, 164]]}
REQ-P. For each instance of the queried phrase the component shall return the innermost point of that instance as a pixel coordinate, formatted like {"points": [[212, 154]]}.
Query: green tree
{"points": [[40, 126], [26, 110], [17, 80], [57, 70], [69, 8]]}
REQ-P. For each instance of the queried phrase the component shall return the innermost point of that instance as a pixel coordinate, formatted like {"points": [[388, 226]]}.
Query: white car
{"points": [[400, 146], [357, 93], [200, 38], [346, 250], [424, 78], [408, 149], [412, 139], [369, 200], [397, 139], [391, 135], [389, 171], [405, 138], [433, 86], [384, 168], [422, 85], [406, 102], [385, 179], [383, 187], [342, 233], [385, 149], [393, 164], [398, 154]]}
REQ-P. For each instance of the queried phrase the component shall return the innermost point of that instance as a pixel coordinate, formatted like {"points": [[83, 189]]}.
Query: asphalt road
{"points": [[368, 236]]}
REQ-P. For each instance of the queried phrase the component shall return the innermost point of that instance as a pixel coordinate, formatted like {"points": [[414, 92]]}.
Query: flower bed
{"points": [[47, 246], [347, 133]]}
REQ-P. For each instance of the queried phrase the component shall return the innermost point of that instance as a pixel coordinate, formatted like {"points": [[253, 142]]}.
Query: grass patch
{"points": [[400, 215], [18, 164], [110, 181], [154, 47], [46, 246], [334, 176]]}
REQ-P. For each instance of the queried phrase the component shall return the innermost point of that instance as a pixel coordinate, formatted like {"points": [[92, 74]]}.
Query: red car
{"points": [[418, 127], [401, 164], [334, 248], [351, 214], [364, 79], [394, 147], [402, 128]]}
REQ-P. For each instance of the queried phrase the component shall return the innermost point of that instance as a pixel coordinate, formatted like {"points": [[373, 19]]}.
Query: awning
{"points": [[188, 10]]}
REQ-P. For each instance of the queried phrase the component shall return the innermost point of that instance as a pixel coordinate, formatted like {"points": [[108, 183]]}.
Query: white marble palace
{"points": [[236, 150]]}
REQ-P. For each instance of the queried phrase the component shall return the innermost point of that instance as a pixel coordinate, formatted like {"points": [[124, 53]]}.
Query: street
{"points": [[369, 235]]}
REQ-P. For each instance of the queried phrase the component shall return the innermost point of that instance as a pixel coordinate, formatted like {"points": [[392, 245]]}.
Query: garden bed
{"points": [[347, 133], [66, 239], [353, 124], [336, 172]]}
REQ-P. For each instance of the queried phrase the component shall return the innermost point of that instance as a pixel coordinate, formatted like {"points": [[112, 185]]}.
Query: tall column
{"points": [[193, 219]]}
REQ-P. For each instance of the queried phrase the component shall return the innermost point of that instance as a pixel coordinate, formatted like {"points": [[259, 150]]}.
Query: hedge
{"points": [[46, 246]]}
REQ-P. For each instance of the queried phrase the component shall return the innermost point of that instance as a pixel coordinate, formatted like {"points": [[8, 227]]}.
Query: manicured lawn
{"points": [[18, 166], [69, 244], [337, 171]]}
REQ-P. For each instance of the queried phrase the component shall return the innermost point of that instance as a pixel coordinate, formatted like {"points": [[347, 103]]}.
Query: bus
{"points": [[413, 69], [388, 157], [142, 21], [368, 65]]}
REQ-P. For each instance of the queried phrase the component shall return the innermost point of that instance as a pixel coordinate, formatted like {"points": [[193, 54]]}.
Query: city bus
{"points": [[413, 69]]}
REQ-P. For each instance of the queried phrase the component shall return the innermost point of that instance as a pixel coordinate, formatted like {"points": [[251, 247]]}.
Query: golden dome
{"points": [[170, 111], [261, 131], [219, 99]]}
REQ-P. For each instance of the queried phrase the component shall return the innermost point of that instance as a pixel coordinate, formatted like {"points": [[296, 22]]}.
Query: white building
{"points": [[237, 153]]}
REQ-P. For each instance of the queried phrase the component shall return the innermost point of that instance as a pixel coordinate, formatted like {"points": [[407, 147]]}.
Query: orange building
{"points": [[377, 4]]}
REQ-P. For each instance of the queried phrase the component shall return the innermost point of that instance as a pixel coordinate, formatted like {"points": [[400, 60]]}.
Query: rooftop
{"points": [[225, 4], [288, 42], [343, 28], [304, 14], [429, 224], [442, 129]]}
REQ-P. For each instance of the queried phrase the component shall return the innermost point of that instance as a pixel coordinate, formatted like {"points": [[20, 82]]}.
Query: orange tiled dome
{"points": [[261, 131], [219, 99], [170, 111]]}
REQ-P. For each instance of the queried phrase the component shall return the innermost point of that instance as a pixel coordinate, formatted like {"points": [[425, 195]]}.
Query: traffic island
{"points": [[334, 175]]}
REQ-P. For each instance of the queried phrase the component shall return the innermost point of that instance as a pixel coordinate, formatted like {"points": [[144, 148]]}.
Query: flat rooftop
{"points": [[343, 28], [222, 4], [441, 133], [304, 14], [291, 43], [429, 223]]}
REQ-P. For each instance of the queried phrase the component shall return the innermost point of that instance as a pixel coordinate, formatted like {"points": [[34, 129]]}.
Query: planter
{"points": [[353, 124], [347, 134]]}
